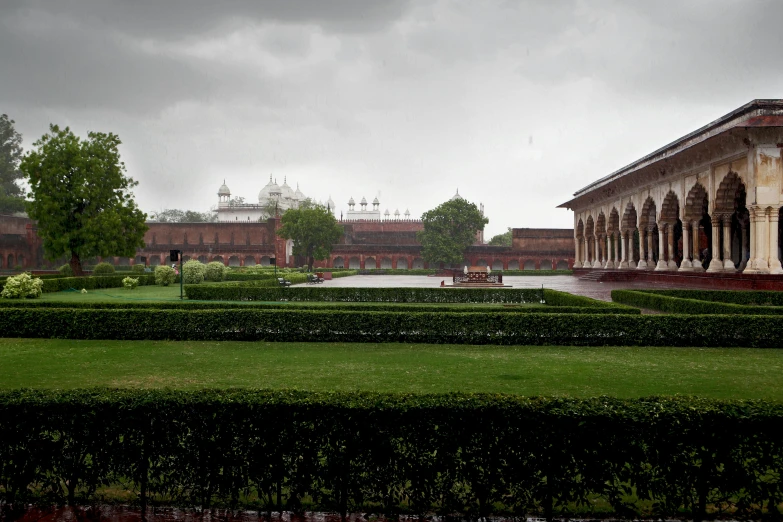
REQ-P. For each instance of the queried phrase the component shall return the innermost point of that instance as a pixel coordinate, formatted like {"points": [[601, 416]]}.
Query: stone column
{"points": [[577, 257], [662, 264], [715, 263], [585, 252], [604, 256], [762, 241], [696, 264], [774, 261], [596, 250], [624, 249], [685, 265], [670, 233], [643, 248], [609, 251], [728, 264], [618, 237]]}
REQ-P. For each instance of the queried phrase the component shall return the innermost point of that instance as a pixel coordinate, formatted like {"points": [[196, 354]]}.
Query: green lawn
{"points": [[562, 371]]}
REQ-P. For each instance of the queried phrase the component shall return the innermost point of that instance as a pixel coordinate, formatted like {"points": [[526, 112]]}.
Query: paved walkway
{"points": [[565, 283]]}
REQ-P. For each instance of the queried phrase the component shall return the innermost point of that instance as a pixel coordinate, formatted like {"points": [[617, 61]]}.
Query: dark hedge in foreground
{"points": [[474, 455], [416, 327]]}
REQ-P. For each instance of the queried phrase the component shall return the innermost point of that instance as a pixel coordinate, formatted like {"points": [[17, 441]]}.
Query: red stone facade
{"points": [[364, 245]]}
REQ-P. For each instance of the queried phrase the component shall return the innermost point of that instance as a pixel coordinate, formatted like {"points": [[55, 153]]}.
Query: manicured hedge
{"points": [[432, 271], [390, 295], [58, 283], [415, 327], [743, 297], [270, 275], [681, 305], [356, 307], [456, 454]]}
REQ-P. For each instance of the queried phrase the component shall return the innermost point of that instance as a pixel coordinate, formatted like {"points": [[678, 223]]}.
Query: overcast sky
{"points": [[517, 104]]}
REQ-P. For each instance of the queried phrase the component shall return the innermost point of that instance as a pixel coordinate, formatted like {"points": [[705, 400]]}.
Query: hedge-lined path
{"points": [[563, 283], [415, 368]]}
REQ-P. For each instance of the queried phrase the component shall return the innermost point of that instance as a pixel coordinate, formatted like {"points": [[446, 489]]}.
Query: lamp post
{"points": [[176, 255], [274, 262]]}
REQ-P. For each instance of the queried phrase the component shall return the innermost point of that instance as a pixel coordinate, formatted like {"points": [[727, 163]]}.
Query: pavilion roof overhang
{"points": [[757, 113]]}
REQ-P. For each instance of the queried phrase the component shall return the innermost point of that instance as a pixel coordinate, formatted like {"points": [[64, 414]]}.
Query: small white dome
{"points": [[287, 191], [299, 195], [223, 190], [386, 213], [407, 213], [351, 202], [364, 201], [376, 202], [330, 203], [396, 212], [456, 196]]}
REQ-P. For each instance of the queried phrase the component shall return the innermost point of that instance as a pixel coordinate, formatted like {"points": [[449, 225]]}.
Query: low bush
{"points": [[215, 271], [702, 302], [91, 282], [66, 270], [130, 283], [23, 286], [193, 272], [165, 275], [138, 268], [103, 269], [471, 455], [406, 327], [269, 291]]}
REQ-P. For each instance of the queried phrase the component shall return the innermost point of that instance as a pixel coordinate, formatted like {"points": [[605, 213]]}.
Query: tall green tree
{"points": [[503, 239], [449, 229], [313, 229], [11, 194], [81, 197]]}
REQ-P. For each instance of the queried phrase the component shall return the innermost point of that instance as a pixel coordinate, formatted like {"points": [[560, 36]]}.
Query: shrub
{"points": [[91, 282], [66, 270], [22, 286], [164, 275], [103, 269], [130, 283], [215, 271], [193, 272], [476, 455], [138, 268], [702, 301]]}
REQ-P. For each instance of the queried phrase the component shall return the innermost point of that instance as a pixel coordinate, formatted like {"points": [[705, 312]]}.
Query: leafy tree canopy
{"points": [[449, 229], [81, 197], [174, 215], [503, 239], [313, 229], [11, 194]]}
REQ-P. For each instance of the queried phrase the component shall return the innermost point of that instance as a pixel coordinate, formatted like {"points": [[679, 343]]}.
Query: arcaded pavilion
{"points": [[708, 201]]}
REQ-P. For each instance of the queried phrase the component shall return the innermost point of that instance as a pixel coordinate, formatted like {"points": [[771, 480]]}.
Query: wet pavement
{"points": [[564, 283]]}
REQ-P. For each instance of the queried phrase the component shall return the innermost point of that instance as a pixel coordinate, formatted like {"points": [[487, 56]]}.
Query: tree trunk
{"points": [[76, 265]]}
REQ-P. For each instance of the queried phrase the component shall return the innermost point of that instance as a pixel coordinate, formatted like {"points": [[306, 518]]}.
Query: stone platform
{"points": [[716, 281]]}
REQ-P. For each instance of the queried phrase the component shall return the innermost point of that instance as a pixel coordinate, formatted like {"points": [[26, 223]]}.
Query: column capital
{"points": [[774, 213]]}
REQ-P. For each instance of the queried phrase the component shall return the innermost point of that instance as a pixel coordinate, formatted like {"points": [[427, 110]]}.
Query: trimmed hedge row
{"points": [[432, 271], [356, 307], [58, 283], [270, 275], [743, 297], [390, 295], [473, 455], [679, 305], [496, 328]]}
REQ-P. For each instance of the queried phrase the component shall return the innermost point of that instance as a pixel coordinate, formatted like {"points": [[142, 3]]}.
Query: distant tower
{"points": [[351, 205], [375, 204], [224, 195], [364, 204]]}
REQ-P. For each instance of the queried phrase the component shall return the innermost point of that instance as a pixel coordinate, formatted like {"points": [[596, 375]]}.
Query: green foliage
{"points": [[130, 283], [164, 275], [703, 301], [193, 272], [81, 197], [215, 271], [313, 230], [138, 268], [449, 229], [66, 270], [183, 216], [503, 239], [91, 282], [11, 194], [103, 269], [23, 286], [490, 327], [260, 292], [473, 455]]}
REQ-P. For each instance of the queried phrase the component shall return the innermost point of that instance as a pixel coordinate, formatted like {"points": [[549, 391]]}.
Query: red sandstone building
{"points": [[364, 245]]}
